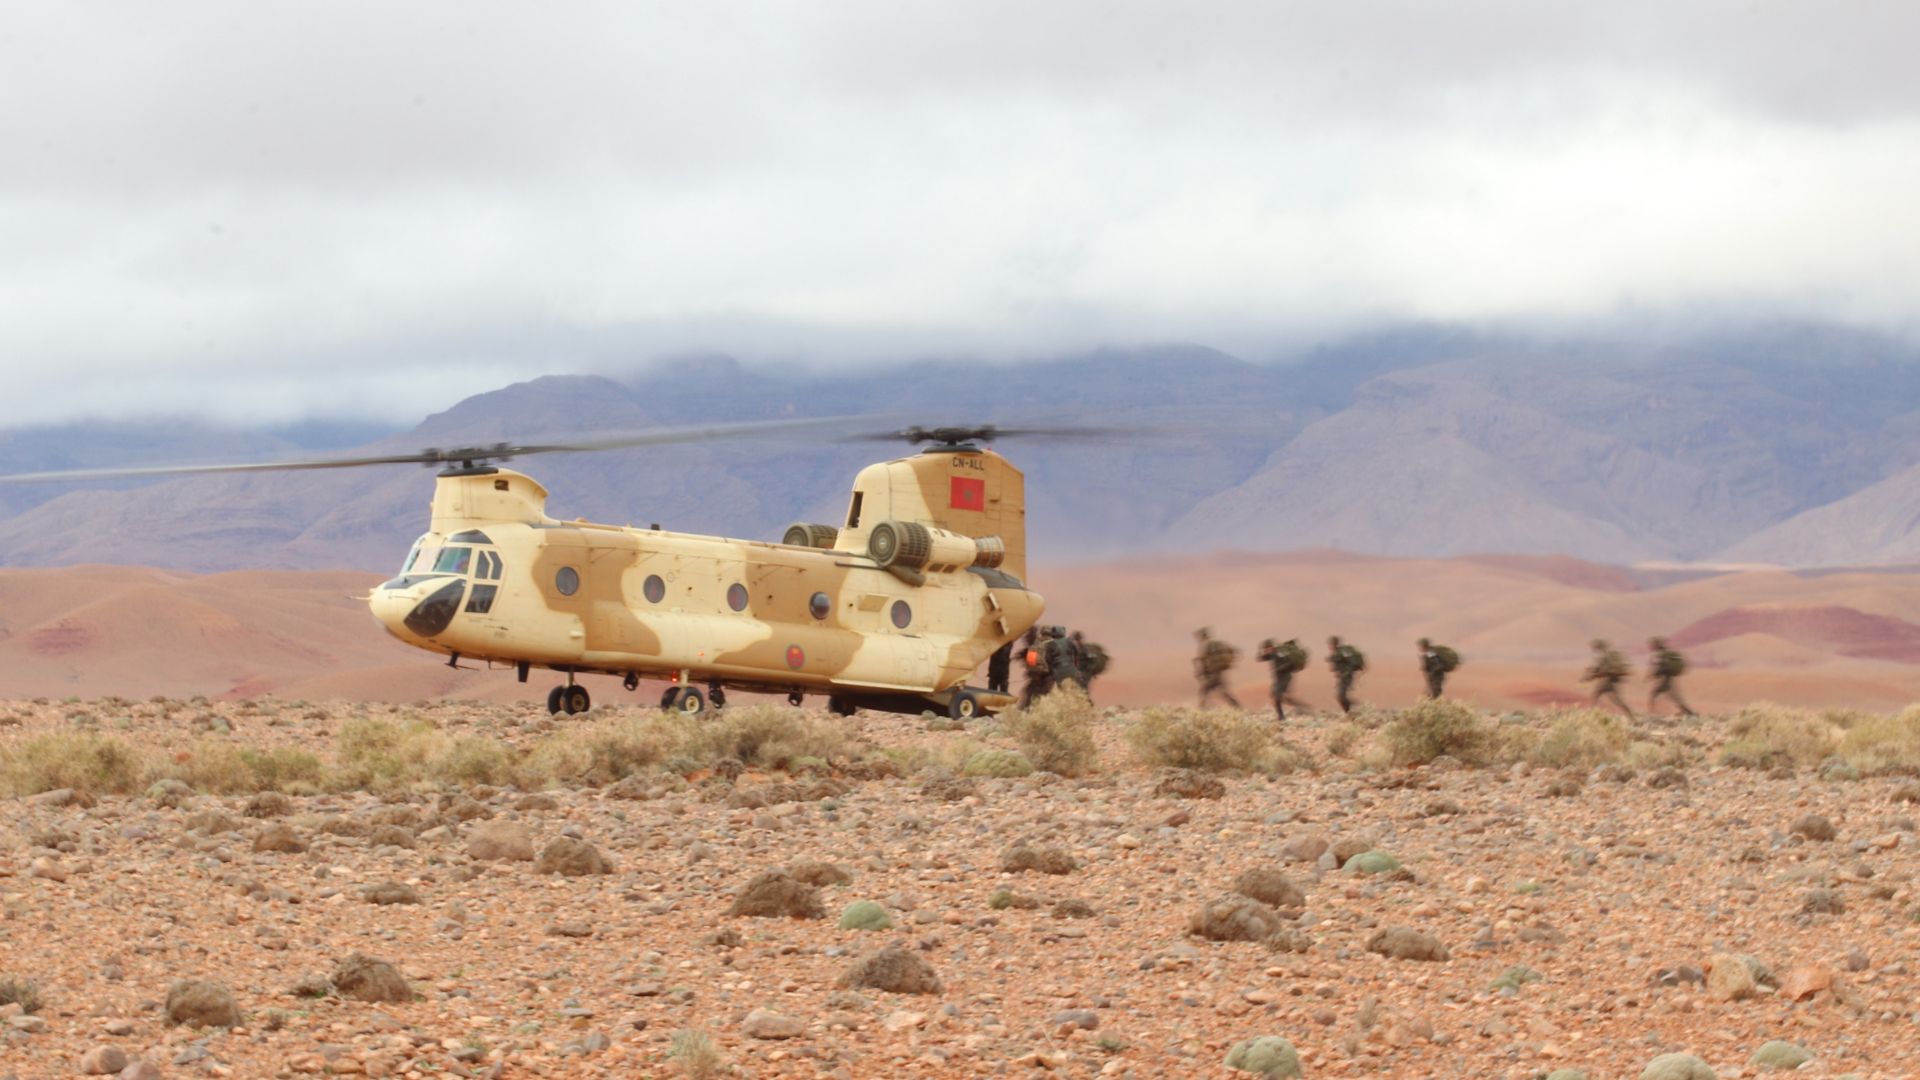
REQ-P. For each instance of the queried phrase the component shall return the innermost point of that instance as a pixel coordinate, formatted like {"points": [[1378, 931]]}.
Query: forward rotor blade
{"points": [[495, 452]]}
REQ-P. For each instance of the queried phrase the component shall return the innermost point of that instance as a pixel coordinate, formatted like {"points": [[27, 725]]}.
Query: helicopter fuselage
{"points": [[496, 580]]}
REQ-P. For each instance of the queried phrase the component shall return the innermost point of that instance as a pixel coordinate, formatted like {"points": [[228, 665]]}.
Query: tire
{"points": [[688, 701], [553, 698], [964, 706], [576, 700]]}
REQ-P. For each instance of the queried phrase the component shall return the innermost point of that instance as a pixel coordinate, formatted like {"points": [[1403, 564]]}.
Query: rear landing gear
{"points": [[685, 700], [964, 706], [568, 699]]}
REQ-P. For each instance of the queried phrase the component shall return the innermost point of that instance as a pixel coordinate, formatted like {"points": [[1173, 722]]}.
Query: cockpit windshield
{"points": [[420, 557], [453, 560]]}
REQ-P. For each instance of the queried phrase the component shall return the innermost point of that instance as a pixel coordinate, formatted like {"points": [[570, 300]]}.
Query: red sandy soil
{"points": [[1521, 625]]}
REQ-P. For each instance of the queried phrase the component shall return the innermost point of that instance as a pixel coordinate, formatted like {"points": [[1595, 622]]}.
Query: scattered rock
{"points": [[1047, 860], [390, 892], [1371, 862], [865, 915], [763, 1024], [1908, 792], [1678, 1067], [1814, 827], [1778, 1054], [1268, 1055], [1307, 847], [103, 1061], [1666, 776], [268, 804], [771, 894], [1802, 983], [1287, 939], [1270, 886], [819, 874], [894, 970], [537, 802], [1729, 978], [1235, 918], [1189, 784], [1072, 908], [390, 836], [280, 838], [170, 793], [1823, 902], [198, 1003], [1564, 787], [501, 840], [211, 822], [362, 978], [1404, 943], [569, 857]]}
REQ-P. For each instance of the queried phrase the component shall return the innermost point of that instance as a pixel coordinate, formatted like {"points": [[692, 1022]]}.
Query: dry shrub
{"points": [[221, 768], [1582, 738], [1765, 735], [81, 760], [1343, 737], [1056, 732], [381, 755], [1644, 756], [611, 749], [1212, 740], [1436, 727], [770, 736], [1884, 743], [697, 1053], [949, 755], [22, 992]]}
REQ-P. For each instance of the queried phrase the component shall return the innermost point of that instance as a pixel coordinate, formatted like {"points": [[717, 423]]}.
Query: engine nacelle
{"points": [[806, 534], [909, 545]]}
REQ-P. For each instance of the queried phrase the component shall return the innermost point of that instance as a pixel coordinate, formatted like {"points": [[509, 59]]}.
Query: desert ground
{"points": [[1442, 893]]}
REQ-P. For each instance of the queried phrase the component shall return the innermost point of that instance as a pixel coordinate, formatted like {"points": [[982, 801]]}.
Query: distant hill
{"points": [[1789, 444]]}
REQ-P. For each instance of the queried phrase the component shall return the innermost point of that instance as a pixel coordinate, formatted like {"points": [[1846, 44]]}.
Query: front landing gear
{"points": [[685, 700]]}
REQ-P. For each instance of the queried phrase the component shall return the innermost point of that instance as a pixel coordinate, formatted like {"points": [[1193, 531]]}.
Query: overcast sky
{"points": [[263, 210]]}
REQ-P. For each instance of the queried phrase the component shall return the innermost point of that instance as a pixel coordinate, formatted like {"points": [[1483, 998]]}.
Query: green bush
{"points": [[1209, 740], [1582, 738], [998, 763], [1056, 732], [770, 736], [1765, 735], [82, 760], [1436, 727]]}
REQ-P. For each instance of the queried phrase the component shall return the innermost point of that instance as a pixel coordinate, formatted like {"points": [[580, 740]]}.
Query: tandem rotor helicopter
{"points": [[892, 609]]}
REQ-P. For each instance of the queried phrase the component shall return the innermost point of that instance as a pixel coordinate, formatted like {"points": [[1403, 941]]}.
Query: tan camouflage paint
{"points": [[608, 625]]}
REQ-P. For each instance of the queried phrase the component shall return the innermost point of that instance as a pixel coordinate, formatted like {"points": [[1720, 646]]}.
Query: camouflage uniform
{"points": [[1346, 663], [1038, 682], [1663, 669], [1211, 666], [1436, 662], [1606, 673], [1089, 658], [1285, 658], [1000, 669], [1063, 661]]}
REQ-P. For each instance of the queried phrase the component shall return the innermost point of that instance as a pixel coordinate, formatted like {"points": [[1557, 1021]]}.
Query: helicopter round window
{"points": [[737, 596], [654, 589], [567, 581], [902, 614], [820, 605]]}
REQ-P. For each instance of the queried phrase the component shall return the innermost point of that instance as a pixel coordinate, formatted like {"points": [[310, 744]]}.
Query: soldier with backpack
{"points": [[1061, 659], [1089, 658], [1347, 662], [1287, 658], [1607, 671], [1211, 666], [1035, 661], [1436, 663], [1666, 666]]}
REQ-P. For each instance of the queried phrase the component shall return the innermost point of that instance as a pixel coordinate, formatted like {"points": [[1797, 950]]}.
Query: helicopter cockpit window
{"points": [[489, 569], [480, 600], [567, 580], [853, 512], [453, 560], [413, 555], [820, 605]]}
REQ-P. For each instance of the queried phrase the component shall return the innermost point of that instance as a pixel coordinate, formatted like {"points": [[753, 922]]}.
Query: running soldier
{"points": [[1287, 659], [1347, 662], [1090, 658], [1212, 665], [1666, 666], [1035, 661], [1436, 663], [1606, 673], [1062, 659]]}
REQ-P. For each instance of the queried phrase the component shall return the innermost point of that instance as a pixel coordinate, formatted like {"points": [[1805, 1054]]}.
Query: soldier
{"points": [[1062, 659], [1035, 660], [1436, 663], [1090, 658], [1606, 673], [1287, 659], [1346, 662], [1211, 666], [1665, 667]]}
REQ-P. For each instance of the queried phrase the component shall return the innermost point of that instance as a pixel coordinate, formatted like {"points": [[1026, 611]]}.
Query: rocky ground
{"points": [[1538, 918]]}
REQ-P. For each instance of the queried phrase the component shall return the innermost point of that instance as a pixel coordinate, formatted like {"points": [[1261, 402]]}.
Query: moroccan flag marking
{"points": [[968, 493], [796, 657]]}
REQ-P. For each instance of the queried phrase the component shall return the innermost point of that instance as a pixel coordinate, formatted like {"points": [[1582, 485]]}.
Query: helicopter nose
{"points": [[422, 610]]}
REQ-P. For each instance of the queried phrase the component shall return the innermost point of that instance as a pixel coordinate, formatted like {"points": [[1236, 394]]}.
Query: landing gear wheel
{"points": [[631, 682], [575, 700], [841, 706], [666, 697], [553, 698], [716, 695], [796, 699], [686, 701], [964, 706]]}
